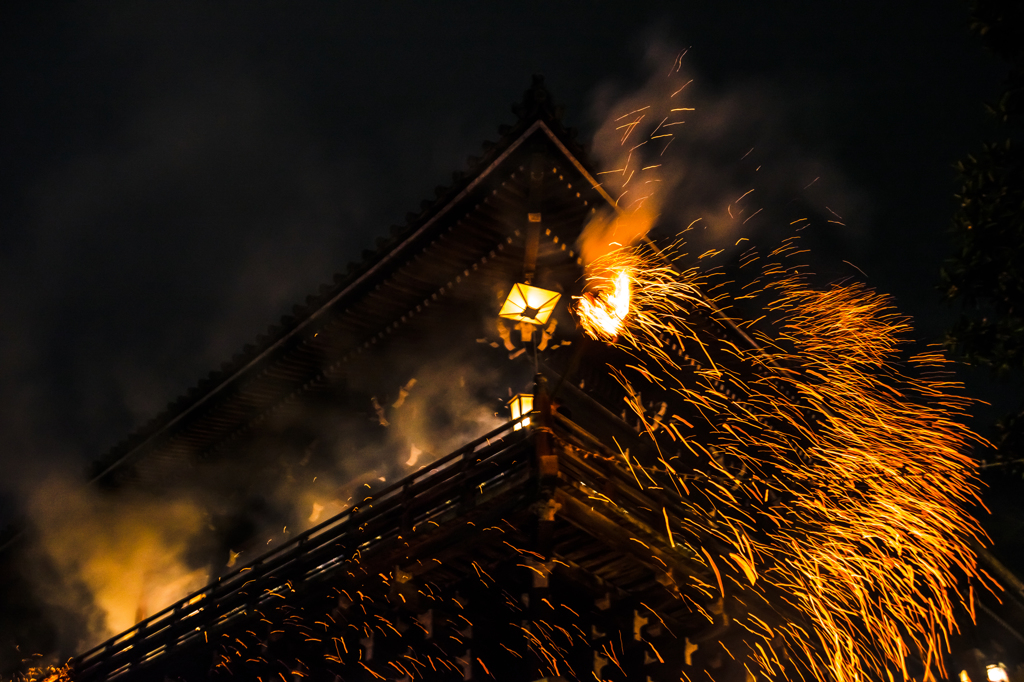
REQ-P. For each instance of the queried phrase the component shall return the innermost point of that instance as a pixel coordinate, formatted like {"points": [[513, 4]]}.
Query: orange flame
{"points": [[603, 314]]}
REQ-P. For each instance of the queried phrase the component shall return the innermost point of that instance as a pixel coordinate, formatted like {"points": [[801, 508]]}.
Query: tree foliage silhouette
{"points": [[985, 274]]}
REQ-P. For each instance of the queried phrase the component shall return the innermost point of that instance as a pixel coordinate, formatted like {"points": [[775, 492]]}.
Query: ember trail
{"points": [[673, 494]]}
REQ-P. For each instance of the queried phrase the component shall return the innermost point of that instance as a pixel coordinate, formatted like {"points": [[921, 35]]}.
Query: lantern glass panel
{"points": [[521, 406], [997, 673], [525, 303]]}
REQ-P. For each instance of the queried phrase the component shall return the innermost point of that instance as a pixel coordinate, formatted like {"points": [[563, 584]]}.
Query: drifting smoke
{"points": [[727, 167], [630, 147], [100, 560], [204, 235], [440, 405], [114, 560], [117, 557]]}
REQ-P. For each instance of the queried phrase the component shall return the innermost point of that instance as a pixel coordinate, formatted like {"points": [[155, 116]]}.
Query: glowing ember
{"points": [[50, 673]]}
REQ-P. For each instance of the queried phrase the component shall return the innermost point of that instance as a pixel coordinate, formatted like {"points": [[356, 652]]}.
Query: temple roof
{"points": [[460, 229]]}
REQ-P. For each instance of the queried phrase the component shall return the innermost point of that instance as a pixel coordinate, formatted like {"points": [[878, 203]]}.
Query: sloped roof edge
{"points": [[536, 106]]}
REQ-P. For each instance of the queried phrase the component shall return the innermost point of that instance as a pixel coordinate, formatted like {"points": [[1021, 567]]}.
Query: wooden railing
{"points": [[441, 487]]}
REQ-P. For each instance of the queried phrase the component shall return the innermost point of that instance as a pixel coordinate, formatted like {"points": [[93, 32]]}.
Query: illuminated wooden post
{"points": [[547, 459], [546, 466]]}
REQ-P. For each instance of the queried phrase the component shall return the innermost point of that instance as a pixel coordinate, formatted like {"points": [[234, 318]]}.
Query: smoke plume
{"points": [[722, 167]]}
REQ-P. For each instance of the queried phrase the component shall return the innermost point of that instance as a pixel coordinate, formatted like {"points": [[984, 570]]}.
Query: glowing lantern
{"points": [[997, 673], [521, 405], [529, 304]]}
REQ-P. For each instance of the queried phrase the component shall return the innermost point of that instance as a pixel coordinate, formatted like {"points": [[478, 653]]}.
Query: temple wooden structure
{"points": [[528, 552], [497, 561]]}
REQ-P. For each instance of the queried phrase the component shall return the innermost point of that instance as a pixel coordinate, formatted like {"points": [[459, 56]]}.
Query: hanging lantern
{"points": [[521, 406], [526, 303], [997, 673]]}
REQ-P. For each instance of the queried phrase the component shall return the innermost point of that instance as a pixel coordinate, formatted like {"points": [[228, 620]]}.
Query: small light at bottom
{"points": [[996, 673]]}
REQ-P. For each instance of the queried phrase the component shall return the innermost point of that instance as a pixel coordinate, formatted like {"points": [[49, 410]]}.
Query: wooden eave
{"points": [[471, 230]]}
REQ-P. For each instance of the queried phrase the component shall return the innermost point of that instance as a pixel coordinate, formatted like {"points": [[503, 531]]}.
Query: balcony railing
{"points": [[475, 469]]}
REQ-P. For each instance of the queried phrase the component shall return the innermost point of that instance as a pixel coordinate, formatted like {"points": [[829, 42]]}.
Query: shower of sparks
{"points": [[821, 490], [835, 473], [375, 613]]}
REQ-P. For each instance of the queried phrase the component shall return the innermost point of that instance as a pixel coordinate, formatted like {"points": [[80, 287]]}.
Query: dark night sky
{"points": [[175, 175]]}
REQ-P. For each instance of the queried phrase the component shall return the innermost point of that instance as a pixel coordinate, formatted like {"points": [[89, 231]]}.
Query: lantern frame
{"points": [[531, 304], [521, 406], [996, 673]]}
